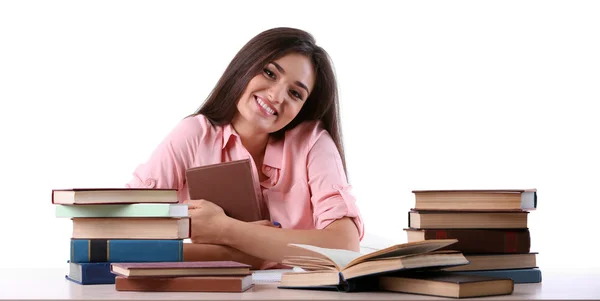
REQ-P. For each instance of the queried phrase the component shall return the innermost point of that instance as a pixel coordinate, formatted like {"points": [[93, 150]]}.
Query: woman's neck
{"points": [[255, 142]]}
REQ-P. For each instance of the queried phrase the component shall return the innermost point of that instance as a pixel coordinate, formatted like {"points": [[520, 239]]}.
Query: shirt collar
{"points": [[228, 132], [273, 152]]}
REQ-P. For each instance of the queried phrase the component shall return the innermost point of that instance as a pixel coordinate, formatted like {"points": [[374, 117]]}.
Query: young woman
{"points": [[276, 104]]}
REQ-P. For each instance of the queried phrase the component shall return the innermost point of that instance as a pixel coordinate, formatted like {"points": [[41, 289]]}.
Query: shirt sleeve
{"points": [[332, 196], [168, 162]]}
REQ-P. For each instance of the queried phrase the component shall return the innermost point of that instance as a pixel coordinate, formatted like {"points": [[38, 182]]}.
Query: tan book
{"points": [[494, 200], [447, 285], [482, 262], [225, 284], [131, 228], [229, 185], [179, 268], [345, 269], [467, 220], [113, 196]]}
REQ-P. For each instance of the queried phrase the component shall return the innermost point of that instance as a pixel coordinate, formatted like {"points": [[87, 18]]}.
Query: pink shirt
{"points": [[306, 186]]}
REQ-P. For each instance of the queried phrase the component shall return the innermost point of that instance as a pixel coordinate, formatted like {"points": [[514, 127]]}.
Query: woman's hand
{"points": [[208, 221]]}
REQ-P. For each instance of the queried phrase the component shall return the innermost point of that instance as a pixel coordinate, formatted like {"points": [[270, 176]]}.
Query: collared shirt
{"points": [[306, 186]]}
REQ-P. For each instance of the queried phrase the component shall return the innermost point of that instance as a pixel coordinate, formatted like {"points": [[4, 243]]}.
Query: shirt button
{"points": [[150, 183], [267, 168], [337, 187]]}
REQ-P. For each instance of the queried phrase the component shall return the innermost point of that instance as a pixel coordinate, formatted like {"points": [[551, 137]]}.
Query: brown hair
{"points": [[322, 103]]}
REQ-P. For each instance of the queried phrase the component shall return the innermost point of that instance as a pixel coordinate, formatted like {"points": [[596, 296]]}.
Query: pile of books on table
{"points": [[490, 225], [120, 225]]}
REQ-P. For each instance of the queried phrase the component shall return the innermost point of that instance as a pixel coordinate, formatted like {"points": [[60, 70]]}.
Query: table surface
{"points": [[50, 284]]}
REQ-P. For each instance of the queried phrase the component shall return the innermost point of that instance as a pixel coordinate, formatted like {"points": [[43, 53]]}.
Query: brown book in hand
{"points": [[229, 284], [478, 241], [447, 285], [179, 268], [230, 185]]}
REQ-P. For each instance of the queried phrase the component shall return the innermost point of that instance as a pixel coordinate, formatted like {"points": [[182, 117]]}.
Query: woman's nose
{"points": [[276, 94]]}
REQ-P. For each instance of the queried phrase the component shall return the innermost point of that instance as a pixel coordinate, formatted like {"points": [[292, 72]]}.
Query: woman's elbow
{"points": [[345, 234]]}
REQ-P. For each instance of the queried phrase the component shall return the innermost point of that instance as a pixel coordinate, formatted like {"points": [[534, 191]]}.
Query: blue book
{"points": [[533, 275], [126, 250], [90, 273]]}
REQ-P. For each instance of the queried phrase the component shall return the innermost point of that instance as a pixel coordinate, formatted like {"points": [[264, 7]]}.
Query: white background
{"points": [[435, 94]]}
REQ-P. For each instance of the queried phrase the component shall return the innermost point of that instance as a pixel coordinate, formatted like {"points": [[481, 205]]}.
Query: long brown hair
{"points": [[322, 104]]}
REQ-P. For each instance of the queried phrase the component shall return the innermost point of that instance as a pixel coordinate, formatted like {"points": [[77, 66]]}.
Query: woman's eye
{"points": [[269, 73], [296, 94]]}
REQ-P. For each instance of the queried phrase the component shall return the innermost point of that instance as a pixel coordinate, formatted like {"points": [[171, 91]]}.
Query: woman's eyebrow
{"points": [[282, 71]]}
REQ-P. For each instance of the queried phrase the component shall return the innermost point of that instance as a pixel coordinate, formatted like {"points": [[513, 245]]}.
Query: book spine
{"points": [[475, 241], [114, 210], [533, 275], [123, 250], [96, 273]]}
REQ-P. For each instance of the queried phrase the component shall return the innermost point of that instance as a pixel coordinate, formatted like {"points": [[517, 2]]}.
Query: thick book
{"points": [[179, 269], [447, 285], [476, 199], [113, 196], [131, 228], [126, 250], [122, 210], [229, 185], [352, 271], [224, 284], [433, 219], [481, 262], [531, 275], [90, 273], [478, 241]]}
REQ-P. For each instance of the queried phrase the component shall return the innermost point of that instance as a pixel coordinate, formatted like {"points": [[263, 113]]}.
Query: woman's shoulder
{"points": [[196, 124], [307, 133], [194, 127]]}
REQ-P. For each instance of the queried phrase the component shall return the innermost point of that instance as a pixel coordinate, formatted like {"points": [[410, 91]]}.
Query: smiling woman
{"points": [[276, 104]]}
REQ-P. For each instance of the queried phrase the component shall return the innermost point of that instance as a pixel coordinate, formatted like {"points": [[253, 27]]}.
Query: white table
{"points": [[50, 284]]}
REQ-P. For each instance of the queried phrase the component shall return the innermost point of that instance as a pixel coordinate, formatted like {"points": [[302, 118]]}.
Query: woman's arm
{"points": [[268, 243], [213, 252], [271, 243], [207, 252]]}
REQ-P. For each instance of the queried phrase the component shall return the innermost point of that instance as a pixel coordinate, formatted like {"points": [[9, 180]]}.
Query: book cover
{"points": [[230, 185], [126, 250], [231, 284]]}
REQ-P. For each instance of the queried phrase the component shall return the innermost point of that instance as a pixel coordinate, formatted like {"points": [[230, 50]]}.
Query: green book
{"points": [[122, 210]]}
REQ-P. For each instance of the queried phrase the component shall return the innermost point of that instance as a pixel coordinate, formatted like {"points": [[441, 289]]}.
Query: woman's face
{"points": [[274, 97]]}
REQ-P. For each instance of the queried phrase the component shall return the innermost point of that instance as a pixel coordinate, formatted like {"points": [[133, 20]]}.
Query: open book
{"points": [[347, 270]]}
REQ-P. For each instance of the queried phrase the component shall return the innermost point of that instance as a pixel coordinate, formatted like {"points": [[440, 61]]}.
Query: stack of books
{"points": [[490, 226], [188, 276], [120, 225]]}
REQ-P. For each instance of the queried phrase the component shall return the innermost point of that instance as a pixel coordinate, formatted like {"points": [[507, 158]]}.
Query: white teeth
{"points": [[264, 106]]}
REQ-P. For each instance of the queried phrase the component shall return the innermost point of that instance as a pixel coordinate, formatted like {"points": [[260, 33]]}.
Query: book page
{"points": [[340, 258]]}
